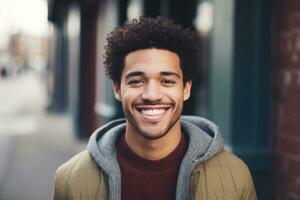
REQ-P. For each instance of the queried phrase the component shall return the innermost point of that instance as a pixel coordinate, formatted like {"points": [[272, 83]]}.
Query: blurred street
{"points": [[33, 143]]}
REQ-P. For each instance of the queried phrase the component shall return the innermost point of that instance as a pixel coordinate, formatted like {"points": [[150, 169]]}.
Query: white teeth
{"points": [[153, 111]]}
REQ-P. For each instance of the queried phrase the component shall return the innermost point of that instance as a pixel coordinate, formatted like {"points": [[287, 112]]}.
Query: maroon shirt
{"points": [[147, 179]]}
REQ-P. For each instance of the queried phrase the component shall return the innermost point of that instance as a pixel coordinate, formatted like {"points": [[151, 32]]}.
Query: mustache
{"points": [[152, 103]]}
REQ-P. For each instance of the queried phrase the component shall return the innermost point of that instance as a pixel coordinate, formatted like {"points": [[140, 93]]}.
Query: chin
{"points": [[153, 136], [153, 133]]}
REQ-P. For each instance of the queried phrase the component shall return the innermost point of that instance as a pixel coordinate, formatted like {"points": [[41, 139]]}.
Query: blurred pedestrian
{"points": [[3, 71]]}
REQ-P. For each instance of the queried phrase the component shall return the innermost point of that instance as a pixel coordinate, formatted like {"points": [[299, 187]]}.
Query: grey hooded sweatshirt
{"points": [[204, 142]]}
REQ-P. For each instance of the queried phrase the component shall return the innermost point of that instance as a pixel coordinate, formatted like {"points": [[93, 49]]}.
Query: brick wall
{"points": [[286, 104]]}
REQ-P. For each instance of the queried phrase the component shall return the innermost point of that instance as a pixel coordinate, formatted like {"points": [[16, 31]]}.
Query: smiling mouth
{"points": [[153, 113]]}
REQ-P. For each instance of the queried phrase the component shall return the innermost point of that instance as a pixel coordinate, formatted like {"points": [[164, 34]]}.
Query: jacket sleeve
{"points": [[57, 193], [249, 190]]}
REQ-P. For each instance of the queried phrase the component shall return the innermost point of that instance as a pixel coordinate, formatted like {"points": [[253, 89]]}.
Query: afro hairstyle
{"points": [[147, 33]]}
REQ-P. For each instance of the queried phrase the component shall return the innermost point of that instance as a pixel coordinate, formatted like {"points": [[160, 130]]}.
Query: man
{"points": [[154, 153]]}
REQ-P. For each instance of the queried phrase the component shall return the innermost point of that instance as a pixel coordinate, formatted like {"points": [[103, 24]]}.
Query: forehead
{"points": [[152, 61]]}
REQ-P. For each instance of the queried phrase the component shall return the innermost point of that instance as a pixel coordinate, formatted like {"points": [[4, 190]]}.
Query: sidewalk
{"points": [[33, 143], [31, 160]]}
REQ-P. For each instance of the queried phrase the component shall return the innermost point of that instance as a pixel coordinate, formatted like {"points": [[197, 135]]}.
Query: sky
{"points": [[28, 16]]}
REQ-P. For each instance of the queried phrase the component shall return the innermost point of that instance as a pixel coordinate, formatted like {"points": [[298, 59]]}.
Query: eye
{"points": [[168, 82], [135, 82]]}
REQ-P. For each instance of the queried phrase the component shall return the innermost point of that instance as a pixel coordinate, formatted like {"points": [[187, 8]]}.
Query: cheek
{"points": [[129, 95], [176, 95]]}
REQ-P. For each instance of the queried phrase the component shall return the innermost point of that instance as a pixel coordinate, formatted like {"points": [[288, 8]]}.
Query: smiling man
{"points": [[154, 153]]}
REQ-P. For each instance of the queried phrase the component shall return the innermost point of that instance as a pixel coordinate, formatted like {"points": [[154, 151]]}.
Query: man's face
{"points": [[152, 92]]}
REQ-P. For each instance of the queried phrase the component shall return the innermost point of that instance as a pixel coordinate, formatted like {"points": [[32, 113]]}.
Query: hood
{"points": [[205, 139]]}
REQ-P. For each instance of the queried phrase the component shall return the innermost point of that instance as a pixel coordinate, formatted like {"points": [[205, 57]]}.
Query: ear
{"points": [[117, 90], [187, 90]]}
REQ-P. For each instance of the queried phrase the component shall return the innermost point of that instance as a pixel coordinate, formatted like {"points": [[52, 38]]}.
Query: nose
{"points": [[152, 92]]}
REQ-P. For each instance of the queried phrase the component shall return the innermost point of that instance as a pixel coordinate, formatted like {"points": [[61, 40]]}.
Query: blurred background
{"points": [[54, 93]]}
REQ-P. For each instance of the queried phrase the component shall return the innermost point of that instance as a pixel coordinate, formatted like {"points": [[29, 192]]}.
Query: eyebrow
{"points": [[140, 73], [167, 73], [135, 73]]}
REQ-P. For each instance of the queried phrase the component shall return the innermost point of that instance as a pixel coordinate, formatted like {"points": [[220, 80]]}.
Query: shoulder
{"points": [[81, 161], [77, 176], [226, 172], [81, 164], [227, 159], [229, 165]]}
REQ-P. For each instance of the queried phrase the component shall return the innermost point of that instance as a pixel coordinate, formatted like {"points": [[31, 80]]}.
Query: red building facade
{"points": [[286, 85]]}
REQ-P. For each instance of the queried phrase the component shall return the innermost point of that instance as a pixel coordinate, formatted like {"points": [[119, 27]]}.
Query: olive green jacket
{"points": [[224, 176], [207, 172]]}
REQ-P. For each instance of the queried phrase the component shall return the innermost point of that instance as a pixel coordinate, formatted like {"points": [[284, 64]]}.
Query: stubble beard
{"points": [[150, 135], [159, 134]]}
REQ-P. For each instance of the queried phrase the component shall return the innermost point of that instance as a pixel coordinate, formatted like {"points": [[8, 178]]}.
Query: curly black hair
{"points": [[146, 33]]}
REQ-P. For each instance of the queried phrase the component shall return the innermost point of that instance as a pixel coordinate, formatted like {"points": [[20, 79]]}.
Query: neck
{"points": [[154, 149]]}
